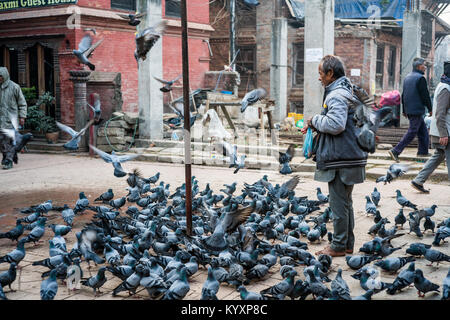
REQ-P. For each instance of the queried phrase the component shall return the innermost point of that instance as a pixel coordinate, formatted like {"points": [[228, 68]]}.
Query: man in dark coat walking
{"points": [[415, 97]]}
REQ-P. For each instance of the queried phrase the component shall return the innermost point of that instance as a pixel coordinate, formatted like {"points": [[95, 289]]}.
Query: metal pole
{"points": [[187, 118], [232, 31]]}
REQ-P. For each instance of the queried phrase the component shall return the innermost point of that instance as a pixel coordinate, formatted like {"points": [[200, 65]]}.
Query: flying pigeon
{"points": [[286, 157], [74, 143], [147, 38], [115, 160], [252, 97], [96, 109], [167, 83], [133, 19], [85, 50], [395, 170]]}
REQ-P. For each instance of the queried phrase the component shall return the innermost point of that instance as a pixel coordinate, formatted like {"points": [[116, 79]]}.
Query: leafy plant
{"points": [[30, 95], [36, 117]]}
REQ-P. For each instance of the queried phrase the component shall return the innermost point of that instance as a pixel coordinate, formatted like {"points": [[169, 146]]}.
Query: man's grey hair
{"points": [[418, 62], [332, 62]]}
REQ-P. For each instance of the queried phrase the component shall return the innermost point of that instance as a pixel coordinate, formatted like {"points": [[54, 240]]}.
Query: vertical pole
{"points": [[232, 31], [187, 120]]}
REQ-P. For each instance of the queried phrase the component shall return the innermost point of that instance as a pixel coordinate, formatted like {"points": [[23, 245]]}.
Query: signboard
{"points": [[28, 4], [355, 72], [313, 54]]}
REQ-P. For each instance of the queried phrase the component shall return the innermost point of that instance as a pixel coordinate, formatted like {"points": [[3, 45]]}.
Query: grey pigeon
{"points": [[366, 296], [133, 19], [376, 196], [68, 215], [320, 196], [2, 294], [414, 224], [281, 289], [131, 283], [252, 97], [404, 279], [317, 288], [376, 227], [179, 289], [393, 264], [7, 277], [370, 206], [395, 170], [60, 229], [49, 287], [146, 39], [428, 224], [400, 218], [415, 249], [82, 203], [167, 83], [14, 233], [210, 286], [74, 142], [446, 287], [368, 282], [285, 158], [357, 261], [259, 271], [36, 234], [442, 233], [97, 281], [96, 109], [340, 286], [106, 196], [401, 200], [85, 50], [422, 284], [434, 256], [115, 160], [249, 295]]}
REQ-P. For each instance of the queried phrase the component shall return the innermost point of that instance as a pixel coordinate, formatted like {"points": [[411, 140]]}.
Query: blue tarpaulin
{"points": [[362, 9]]}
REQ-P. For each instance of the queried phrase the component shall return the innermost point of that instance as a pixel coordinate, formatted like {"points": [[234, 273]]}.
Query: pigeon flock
{"points": [[238, 238]]}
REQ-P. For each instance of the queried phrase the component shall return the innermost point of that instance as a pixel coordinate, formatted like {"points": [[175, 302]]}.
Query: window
{"points": [[298, 61], [245, 65], [124, 4], [391, 70], [173, 8], [245, 15], [380, 66]]}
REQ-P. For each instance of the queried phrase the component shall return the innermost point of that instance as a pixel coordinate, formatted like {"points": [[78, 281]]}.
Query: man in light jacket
{"points": [[340, 161], [12, 105], [439, 131]]}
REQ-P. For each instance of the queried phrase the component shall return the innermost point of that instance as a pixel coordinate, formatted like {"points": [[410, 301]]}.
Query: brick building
{"points": [[36, 43], [372, 56]]}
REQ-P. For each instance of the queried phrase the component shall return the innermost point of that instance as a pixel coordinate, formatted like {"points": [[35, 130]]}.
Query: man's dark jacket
{"points": [[415, 95]]}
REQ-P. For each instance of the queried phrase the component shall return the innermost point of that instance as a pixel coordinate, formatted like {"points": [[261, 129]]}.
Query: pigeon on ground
{"points": [[249, 295], [366, 296], [434, 256], [395, 170], [118, 203], [85, 50], [427, 212], [403, 280], [14, 233], [341, 287], [370, 206], [68, 215], [167, 83], [357, 261], [416, 249], [133, 19], [179, 289], [115, 160], [97, 281], [49, 287], [36, 234], [131, 283], [210, 286], [281, 289], [146, 39], [2, 294], [370, 283], [252, 97], [446, 287], [16, 255], [285, 158], [428, 225], [376, 227], [321, 197], [230, 188], [9, 276], [422, 284], [376, 196], [60, 229], [258, 271], [317, 288], [442, 233], [401, 200], [393, 264], [400, 218], [377, 217]]}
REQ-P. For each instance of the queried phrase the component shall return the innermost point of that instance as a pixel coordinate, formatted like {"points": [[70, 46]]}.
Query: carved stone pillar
{"points": [[80, 78]]}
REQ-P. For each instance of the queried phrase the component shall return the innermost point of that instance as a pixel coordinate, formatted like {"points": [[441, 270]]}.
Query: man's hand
{"points": [[22, 121], [307, 125], [443, 141]]}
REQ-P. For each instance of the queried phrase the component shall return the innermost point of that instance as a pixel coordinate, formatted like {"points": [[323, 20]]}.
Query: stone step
{"points": [[40, 145]]}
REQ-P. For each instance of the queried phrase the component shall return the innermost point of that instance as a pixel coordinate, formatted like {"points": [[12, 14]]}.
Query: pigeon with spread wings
{"points": [[74, 143], [133, 19], [96, 109], [115, 160], [146, 39], [167, 84], [85, 50]]}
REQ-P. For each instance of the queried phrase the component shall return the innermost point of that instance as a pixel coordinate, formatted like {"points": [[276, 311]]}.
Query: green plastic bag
{"points": [[300, 124], [308, 144]]}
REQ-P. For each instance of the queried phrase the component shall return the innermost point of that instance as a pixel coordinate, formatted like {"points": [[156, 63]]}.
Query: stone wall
{"points": [[119, 132]]}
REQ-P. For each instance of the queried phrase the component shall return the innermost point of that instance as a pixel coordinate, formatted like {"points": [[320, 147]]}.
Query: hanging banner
{"points": [[28, 4]]}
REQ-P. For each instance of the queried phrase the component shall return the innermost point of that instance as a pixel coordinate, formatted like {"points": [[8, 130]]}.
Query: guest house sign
{"points": [[27, 4]]}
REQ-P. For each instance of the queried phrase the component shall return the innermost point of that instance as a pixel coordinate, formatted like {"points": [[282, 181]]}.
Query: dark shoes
{"points": [[331, 252], [418, 187], [7, 165], [424, 155], [394, 155]]}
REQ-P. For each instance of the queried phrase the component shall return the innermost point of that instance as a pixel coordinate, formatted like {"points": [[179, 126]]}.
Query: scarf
{"points": [[445, 79]]}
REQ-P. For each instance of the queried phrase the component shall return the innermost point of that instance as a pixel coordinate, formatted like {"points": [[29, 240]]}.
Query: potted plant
{"points": [[48, 126]]}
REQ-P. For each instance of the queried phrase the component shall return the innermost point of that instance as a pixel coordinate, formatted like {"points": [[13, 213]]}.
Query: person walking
{"points": [[339, 159], [12, 105], [415, 97], [439, 131]]}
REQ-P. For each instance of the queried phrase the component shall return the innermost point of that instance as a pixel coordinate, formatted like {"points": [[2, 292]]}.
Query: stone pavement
{"points": [[39, 177]]}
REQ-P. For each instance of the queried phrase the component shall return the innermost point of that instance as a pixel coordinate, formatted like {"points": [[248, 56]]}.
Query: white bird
{"points": [[115, 160], [74, 143]]}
